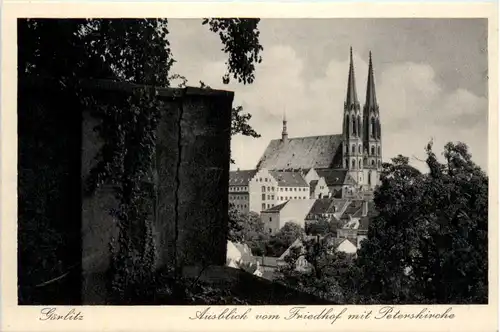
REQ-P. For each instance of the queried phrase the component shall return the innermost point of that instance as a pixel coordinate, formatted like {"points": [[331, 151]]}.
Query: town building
{"points": [[349, 162], [290, 211], [322, 209], [258, 190], [356, 220]]}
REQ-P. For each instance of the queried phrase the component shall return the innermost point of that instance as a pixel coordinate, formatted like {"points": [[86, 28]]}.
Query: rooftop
{"points": [[323, 205], [303, 153], [277, 208], [241, 177], [334, 177], [289, 179]]}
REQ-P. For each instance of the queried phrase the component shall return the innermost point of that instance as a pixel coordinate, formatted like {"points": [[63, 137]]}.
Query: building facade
{"points": [[295, 211], [259, 190]]}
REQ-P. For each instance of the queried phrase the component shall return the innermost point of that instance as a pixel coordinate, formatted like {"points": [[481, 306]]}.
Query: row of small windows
{"points": [[265, 180], [281, 198], [295, 197], [238, 197], [241, 206], [238, 188], [285, 189], [294, 189]]}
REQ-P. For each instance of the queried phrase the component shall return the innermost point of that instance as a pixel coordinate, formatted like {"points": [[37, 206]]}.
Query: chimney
{"points": [[365, 208]]}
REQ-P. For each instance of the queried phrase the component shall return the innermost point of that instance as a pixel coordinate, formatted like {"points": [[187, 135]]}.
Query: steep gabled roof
{"points": [[335, 177], [353, 241], [352, 209], [303, 152], [276, 208], [323, 205], [241, 177], [336, 241], [298, 243], [289, 179], [339, 203]]}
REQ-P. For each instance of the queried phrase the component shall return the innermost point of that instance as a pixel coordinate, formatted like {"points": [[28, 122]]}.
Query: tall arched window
{"points": [[354, 126], [378, 129], [373, 127], [373, 162], [370, 178], [373, 150], [353, 163], [379, 163], [347, 125], [378, 150], [360, 164], [353, 148], [360, 149], [346, 163], [359, 125]]}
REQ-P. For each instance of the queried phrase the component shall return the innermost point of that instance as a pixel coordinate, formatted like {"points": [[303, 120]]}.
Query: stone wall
{"points": [[193, 154]]}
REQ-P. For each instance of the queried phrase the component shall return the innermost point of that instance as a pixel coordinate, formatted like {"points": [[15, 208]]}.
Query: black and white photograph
{"points": [[252, 161]]}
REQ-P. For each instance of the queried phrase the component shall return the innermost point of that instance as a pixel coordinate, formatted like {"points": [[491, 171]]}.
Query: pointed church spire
{"points": [[352, 97], [284, 133], [371, 98]]}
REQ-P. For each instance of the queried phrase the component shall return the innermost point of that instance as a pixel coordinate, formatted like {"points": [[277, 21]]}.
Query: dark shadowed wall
{"points": [[192, 164], [193, 154]]}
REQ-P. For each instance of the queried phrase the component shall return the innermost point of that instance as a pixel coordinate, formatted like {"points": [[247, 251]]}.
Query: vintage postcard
{"points": [[285, 167]]}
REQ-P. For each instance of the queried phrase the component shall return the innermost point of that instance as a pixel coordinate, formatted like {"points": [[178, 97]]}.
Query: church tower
{"points": [[284, 132], [352, 131], [372, 142]]}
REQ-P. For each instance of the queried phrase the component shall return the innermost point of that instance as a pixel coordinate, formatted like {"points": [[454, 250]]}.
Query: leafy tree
{"points": [[129, 50], [429, 242], [247, 228], [240, 37], [290, 232], [323, 226], [244, 226]]}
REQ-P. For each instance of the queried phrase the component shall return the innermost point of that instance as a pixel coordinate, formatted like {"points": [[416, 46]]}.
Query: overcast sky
{"points": [[430, 74]]}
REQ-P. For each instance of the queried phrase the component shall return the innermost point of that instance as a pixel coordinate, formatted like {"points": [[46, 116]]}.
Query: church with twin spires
{"points": [[352, 157]]}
